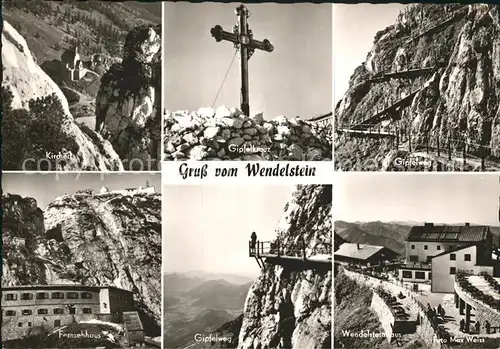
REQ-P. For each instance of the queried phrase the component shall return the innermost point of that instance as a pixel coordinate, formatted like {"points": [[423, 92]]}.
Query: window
{"points": [[426, 247], [453, 257], [453, 270], [72, 310], [413, 258], [42, 295], [407, 274], [58, 311], [19, 324], [29, 324], [26, 296], [43, 311], [429, 259], [11, 297], [87, 310], [412, 247], [438, 248], [430, 276], [10, 313], [420, 275], [57, 323], [86, 295], [72, 295], [57, 295], [27, 312], [467, 257]]}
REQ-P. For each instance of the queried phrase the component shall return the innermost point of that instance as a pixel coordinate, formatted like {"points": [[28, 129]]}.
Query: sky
{"points": [[355, 26], [293, 80], [450, 198], [45, 187], [207, 227]]}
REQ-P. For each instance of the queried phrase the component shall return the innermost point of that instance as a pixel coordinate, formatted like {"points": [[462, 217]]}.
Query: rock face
{"points": [[459, 97], [108, 239], [227, 134], [128, 103], [288, 308], [26, 80]]}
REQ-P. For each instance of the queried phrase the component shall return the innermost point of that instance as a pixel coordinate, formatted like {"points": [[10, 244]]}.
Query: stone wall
{"points": [[481, 310], [424, 330], [427, 334], [225, 134], [32, 323], [384, 314]]}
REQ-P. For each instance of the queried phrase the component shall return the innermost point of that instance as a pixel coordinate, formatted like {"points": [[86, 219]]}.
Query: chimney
{"points": [[428, 224], [358, 246], [467, 224]]}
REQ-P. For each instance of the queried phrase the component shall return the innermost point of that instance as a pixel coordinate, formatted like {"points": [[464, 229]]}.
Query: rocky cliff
{"points": [[290, 307], [128, 103], [25, 81], [448, 60], [227, 134], [108, 239]]}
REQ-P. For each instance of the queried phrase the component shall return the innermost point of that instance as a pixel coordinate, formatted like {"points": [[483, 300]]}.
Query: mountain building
{"points": [[53, 306], [363, 255], [75, 65], [434, 253]]}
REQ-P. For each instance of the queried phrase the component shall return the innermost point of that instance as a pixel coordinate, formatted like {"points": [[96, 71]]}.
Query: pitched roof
{"points": [[59, 287], [352, 251], [321, 117], [459, 248], [450, 233]]}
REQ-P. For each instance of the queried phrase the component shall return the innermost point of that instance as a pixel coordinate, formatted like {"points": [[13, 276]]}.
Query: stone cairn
{"points": [[227, 134]]}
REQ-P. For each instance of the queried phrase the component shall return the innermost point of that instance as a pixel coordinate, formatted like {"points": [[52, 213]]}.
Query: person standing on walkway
{"points": [[487, 325], [462, 325], [253, 241], [478, 327]]}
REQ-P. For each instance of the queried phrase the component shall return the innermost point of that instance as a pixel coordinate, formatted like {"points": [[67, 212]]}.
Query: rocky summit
{"points": [[129, 98], [106, 239], [287, 307], [227, 134], [437, 71]]}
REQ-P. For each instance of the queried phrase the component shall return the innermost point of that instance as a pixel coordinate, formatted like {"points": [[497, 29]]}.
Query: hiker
{"points": [[443, 313], [253, 238], [487, 325], [462, 325], [478, 327], [439, 309]]}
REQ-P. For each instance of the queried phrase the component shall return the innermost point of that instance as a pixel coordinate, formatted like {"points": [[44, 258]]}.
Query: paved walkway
{"points": [[452, 315]]}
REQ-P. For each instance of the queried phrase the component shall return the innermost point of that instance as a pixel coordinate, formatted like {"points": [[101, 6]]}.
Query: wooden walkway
{"points": [[274, 253], [407, 73], [431, 29], [368, 133], [386, 113]]}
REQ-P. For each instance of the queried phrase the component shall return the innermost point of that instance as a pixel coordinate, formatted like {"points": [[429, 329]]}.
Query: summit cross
{"points": [[242, 38]]}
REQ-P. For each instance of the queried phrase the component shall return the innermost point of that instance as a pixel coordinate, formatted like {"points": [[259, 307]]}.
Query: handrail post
{"points": [[483, 156], [449, 146], [464, 153], [439, 148]]}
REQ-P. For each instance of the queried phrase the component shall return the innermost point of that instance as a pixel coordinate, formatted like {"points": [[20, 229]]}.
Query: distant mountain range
{"points": [[199, 302], [231, 278], [389, 234]]}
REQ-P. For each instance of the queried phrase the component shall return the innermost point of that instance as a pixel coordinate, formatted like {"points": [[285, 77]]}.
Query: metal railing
{"points": [[277, 249]]}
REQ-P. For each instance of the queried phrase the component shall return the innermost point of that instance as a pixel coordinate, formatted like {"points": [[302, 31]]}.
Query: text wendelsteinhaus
{"points": [[279, 170]]}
